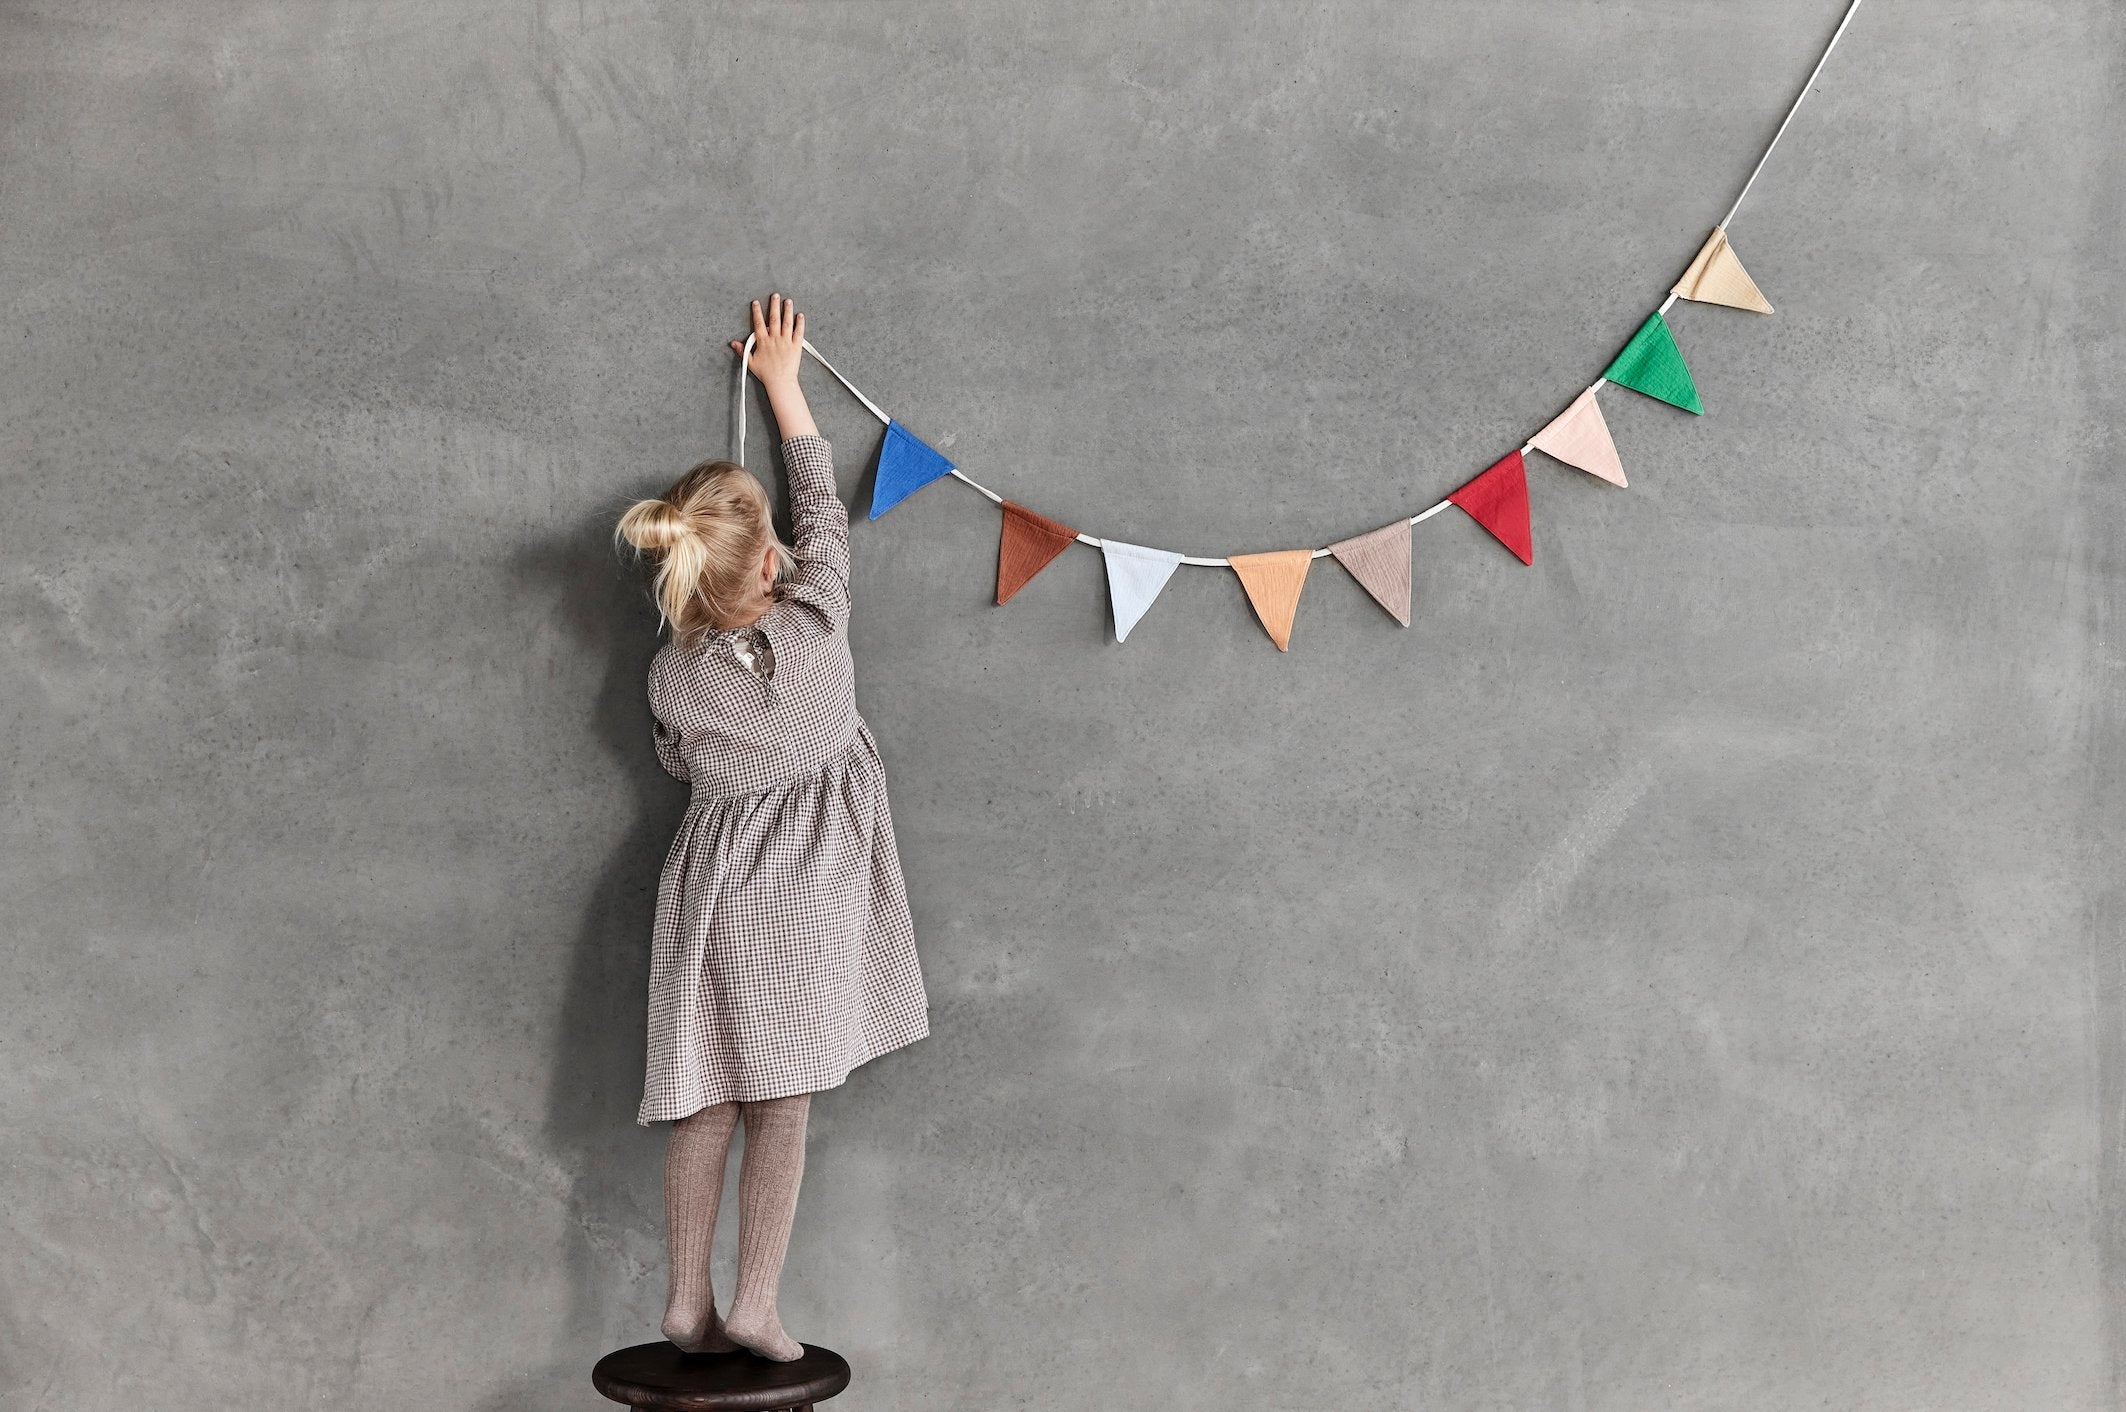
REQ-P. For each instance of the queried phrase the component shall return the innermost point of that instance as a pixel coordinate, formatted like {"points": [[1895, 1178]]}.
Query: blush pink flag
{"points": [[1580, 437]]}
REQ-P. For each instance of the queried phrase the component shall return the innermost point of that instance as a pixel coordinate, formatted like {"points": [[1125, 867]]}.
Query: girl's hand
{"points": [[778, 342]]}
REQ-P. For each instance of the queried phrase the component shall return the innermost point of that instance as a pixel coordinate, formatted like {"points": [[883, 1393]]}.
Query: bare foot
{"points": [[690, 1333], [762, 1332]]}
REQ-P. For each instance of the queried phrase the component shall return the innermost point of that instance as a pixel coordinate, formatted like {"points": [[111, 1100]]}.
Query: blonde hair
{"points": [[706, 535]]}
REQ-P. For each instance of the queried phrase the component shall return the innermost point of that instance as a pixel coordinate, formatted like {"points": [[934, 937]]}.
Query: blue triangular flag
{"points": [[1135, 575], [905, 465]]}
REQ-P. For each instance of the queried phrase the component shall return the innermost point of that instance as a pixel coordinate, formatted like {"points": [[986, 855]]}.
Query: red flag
{"points": [[1498, 500], [1029, 543]]}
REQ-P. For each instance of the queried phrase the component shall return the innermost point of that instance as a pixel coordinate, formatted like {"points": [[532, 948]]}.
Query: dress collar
{"points": [[773, 625]]}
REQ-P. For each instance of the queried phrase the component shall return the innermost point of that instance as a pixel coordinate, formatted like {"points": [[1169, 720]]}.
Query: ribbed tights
{"points": [[768, 1177]]}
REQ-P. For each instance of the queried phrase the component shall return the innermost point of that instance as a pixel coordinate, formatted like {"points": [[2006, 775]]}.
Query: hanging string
{"points": [[1850, 11], [745, 356], [745, 359]]}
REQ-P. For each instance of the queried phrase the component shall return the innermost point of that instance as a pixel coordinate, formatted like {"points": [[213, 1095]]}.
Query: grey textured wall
{"points": [[1681, 974]]}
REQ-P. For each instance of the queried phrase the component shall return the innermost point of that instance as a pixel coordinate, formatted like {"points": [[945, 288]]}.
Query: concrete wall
{"points": [[1683, 974]]}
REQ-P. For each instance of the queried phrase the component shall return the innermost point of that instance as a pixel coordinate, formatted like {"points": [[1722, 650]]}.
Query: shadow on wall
{"points": [[615, 1205]]}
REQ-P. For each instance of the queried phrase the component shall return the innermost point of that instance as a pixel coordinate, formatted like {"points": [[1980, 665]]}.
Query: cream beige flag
{"points": [[1579, 436], [1716, 276]]}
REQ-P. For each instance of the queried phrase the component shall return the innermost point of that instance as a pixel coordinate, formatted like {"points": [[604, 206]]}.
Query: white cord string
{"points": [[1850, 11], [746, 354], [745, 358]]}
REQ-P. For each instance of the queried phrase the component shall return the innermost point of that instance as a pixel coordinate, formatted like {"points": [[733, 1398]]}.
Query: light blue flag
{"points": [[1134, 577], [905, 465]]}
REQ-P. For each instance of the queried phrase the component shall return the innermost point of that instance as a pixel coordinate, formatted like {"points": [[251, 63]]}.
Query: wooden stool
{"points": [[658, 1376]]}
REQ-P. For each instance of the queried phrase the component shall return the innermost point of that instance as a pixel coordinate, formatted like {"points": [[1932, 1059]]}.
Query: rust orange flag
{"points": [[1498, 500], [1380, 561], [1028, 544], [1716, 276], [1273, 582]]}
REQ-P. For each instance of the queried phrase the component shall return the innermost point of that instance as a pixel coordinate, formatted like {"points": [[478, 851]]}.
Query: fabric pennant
{"points": [[1135, 575], [1498, 500], [1651, 363], [1579, 436], [905, 465], [1716, 276], [1027, 544], [1273, 582], [1380, 561]]}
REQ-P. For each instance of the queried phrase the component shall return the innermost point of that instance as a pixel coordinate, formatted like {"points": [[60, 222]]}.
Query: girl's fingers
{"points": [[799, 334], [780, 321]]}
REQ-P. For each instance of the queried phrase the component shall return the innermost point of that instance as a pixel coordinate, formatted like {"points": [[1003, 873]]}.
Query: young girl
{"points": [[783, 953]]}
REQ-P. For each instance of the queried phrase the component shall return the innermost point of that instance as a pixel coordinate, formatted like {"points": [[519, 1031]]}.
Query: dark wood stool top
{"points": [[659, 1376]]}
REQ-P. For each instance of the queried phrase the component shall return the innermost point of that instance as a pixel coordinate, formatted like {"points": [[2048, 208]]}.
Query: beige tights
{"points": [[768, 1177]]}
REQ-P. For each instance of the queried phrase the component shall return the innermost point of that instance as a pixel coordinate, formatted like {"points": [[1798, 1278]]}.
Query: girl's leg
{"points": [[767, 1203], [693, 1185]]}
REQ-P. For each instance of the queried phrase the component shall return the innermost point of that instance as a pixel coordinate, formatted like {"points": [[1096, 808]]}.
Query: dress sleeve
{"points": [[820, 526], [667, 741]]}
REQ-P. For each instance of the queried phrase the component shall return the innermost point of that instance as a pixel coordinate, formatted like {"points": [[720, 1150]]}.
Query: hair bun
{"points": [[654, 526], [711, 536]]}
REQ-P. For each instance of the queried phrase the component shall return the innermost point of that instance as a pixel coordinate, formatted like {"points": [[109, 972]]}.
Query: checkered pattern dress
{"points": [[783, 954]]}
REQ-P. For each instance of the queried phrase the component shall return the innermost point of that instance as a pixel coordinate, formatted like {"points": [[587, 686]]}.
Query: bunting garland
{"points": [[1273, 582], [1380, 561], [1716, 276], [1135, 575], [1650, 363], [1027, 544], [1498, 500], [1579, 437], [905, 465]]}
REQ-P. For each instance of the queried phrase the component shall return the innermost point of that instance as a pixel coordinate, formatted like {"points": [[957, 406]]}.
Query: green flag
{"points": [[1651, 363]]}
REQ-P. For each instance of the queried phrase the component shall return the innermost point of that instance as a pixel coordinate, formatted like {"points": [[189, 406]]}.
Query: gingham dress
{"points": [[783, 954]]}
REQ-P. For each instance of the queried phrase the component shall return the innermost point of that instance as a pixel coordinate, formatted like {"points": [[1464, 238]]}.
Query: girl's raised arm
{"points": [[819, 521]]}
